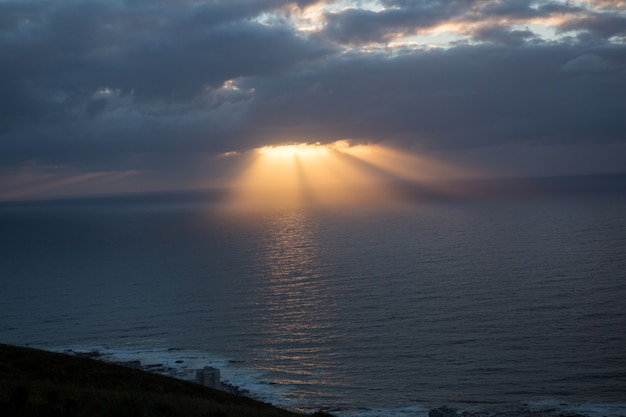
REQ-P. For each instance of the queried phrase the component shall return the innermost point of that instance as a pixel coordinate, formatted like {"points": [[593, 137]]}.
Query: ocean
{"points": [[513, 298]]}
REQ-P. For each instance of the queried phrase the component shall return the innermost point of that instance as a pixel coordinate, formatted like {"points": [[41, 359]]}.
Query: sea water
{"points": [[482, 303]]}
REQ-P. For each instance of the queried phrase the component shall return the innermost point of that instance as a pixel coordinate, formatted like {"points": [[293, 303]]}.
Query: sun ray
{"points": [[316, 174]]}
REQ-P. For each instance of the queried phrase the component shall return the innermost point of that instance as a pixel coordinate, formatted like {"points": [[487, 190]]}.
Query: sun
{"points": [[299, 150], [325, 174]]}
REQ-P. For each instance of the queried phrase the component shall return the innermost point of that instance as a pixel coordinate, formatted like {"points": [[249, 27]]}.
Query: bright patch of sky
{"points": [[458, 29], [311, 18]]}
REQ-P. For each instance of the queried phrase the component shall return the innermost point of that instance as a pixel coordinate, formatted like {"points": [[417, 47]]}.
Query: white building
{"points": [[209, 377]]}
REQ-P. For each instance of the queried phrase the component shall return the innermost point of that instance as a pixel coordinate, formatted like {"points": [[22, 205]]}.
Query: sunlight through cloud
{"points": [[316, 174]]}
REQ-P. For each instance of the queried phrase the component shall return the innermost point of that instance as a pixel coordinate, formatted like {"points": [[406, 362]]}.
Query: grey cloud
{"points": [[609, 4], [362, 26], [464, 97], [146, 50], [354, 26], [138, 85], [112, 128], [181, 67], [502, 34], [587, 62], [524, 9], [600, 25], [511, 8], [57, 54], [427, 3]]}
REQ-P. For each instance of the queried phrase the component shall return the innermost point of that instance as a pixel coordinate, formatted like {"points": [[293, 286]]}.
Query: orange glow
{"points": [[300, 150], [331, 174]]}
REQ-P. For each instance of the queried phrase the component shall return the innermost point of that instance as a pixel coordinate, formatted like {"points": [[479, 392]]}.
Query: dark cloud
{"points": [[156, 53], [524, 9], [466, 96], [587, 62], [599, 25], [363, 26], [140, 85], [501, 34], [163, 68], [355, 26]]}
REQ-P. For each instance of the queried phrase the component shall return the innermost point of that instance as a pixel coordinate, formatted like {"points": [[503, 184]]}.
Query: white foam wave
{"points": [[412, 411], [183, 363], [590, 410]]}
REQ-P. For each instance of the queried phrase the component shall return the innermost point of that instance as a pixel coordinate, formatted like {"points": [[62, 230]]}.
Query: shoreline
{"points": [[36, 382], [554, 409], [156, 368]]}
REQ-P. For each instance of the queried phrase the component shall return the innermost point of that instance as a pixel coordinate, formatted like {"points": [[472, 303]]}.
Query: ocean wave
{"points": [[183, 363]]}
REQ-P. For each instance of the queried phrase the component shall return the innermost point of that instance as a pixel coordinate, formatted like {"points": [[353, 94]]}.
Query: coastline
{"points": [[544, 409], [35, 382], [155, 368]]}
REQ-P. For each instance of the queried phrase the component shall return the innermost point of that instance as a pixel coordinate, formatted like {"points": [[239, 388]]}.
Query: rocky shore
{"points": [[37, 383], [443, 411], [157, 368]]}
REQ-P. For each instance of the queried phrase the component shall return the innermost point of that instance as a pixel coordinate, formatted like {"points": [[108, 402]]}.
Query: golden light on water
{"points": [[331, 174]]}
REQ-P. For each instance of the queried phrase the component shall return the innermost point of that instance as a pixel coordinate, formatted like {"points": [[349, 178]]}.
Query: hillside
{"points": [[40, 383]]}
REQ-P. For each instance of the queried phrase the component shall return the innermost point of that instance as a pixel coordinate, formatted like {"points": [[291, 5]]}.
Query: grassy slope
{"points": [[39, 383]]}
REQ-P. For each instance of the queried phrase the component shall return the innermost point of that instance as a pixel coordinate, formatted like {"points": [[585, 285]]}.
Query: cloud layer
{"points": [[144, 86]]}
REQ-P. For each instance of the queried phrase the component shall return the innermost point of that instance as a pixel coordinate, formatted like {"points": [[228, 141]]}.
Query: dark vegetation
{"points": [[40, 383]]}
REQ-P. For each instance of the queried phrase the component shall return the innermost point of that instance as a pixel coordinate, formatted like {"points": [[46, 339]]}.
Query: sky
{"points": [[108, 96]]}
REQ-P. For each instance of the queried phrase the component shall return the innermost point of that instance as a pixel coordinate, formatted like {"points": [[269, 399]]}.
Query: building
{"points": [[209, 377]]}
